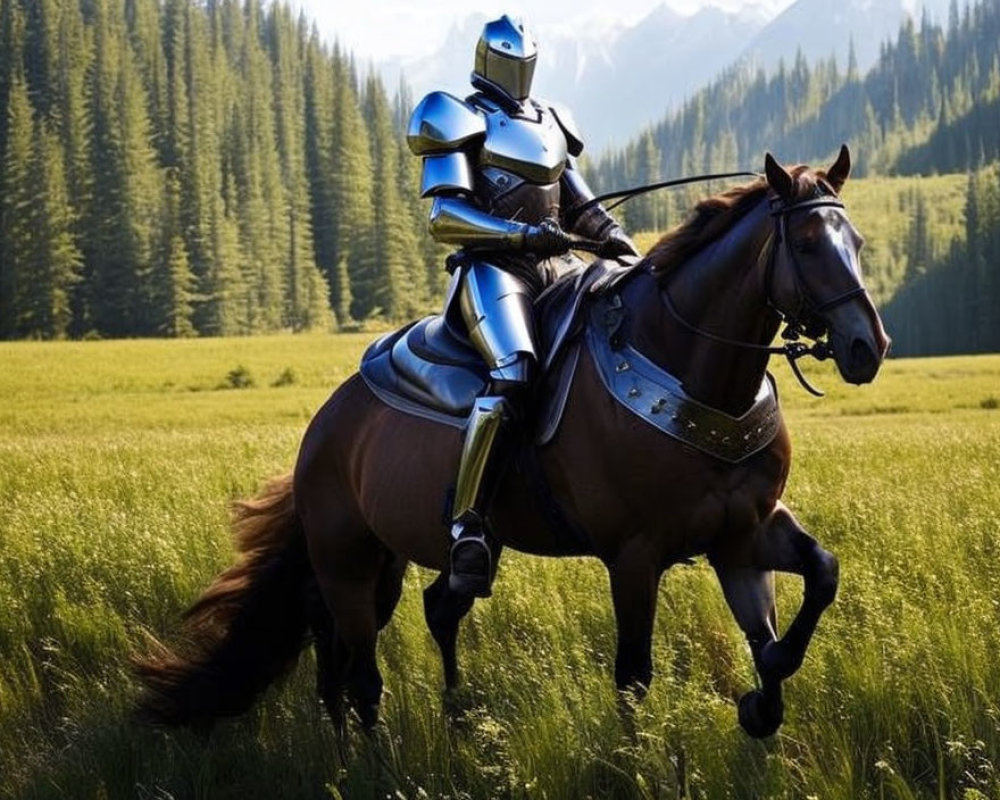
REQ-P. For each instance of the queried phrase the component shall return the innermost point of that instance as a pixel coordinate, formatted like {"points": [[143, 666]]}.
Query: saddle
{"points": [[430, 369]]}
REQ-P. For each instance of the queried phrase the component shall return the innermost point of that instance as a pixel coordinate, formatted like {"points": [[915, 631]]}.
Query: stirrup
{"points": [[471, 565]]}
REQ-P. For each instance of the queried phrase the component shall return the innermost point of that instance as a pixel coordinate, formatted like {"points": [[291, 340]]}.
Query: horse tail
{"points": [[245, 631]]}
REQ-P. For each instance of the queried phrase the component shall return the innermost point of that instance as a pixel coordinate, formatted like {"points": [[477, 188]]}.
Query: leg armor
{"points": [[497, 312]]}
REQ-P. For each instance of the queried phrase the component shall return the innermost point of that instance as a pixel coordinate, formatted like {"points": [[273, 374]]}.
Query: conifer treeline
{"points": [[950, 304], [171, 168], [930, 105]]}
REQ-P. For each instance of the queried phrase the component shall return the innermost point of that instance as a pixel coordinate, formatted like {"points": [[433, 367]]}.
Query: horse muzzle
{"points": [[858, 340]]}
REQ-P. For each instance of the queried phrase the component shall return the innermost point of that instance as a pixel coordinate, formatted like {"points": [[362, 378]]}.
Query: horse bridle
{"points": [[803, 322]]}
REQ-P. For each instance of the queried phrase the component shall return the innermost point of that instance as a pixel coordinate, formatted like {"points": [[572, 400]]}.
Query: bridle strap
{"points": [[792, 349]]}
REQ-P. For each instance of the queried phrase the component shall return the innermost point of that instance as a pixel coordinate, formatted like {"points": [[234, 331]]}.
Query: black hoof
{"points": [[758, 718], [777, 660]]}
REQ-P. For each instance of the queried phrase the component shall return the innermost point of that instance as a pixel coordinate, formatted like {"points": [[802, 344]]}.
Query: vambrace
{"points": [[594, 223], [455, 220]]}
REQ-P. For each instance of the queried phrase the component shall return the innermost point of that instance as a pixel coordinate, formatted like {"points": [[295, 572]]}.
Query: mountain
{"points": [[824, 27], [619, 78], [615, 78]]}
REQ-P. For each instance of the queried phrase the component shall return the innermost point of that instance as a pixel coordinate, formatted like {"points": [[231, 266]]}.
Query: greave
{"points": [[476, 472]]}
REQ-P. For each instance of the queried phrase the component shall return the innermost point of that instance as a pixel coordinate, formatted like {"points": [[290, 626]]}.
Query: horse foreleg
{"points": [[444, 610], [750, 594], [784, 545], [780, 543], [634, 583]]}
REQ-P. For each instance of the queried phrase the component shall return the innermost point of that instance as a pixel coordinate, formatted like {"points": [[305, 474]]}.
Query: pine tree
{"points": [[17, 217], [398, 287], [55, 259], [352, 196]]}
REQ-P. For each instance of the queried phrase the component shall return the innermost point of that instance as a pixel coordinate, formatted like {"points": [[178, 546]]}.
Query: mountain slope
{"points": [[821, 28]]}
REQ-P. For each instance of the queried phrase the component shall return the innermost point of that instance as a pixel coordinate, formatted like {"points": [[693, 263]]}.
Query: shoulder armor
{"points": [[442, 123], [574, 144]]}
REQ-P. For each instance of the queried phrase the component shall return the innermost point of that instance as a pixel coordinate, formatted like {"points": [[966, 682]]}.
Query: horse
{"points": [[324, 550]]}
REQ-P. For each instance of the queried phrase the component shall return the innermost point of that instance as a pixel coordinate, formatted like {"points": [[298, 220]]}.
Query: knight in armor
{"points": [[500, 168]]}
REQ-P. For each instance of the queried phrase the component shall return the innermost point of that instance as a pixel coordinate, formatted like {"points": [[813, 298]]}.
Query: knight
{"points": [[500, 168]]}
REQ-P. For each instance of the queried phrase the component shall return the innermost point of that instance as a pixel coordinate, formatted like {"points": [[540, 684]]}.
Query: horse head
{"points": [[815, 278]]}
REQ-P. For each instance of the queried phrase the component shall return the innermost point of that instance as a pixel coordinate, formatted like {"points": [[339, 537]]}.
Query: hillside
{"points": [[883, 210]]}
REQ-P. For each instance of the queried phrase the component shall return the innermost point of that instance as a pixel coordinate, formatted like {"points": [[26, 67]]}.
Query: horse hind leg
{"points": [[332, 658], [349, 562]]}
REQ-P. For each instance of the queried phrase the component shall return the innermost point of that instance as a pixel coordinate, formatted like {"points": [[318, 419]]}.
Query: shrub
{"points": [[239, 378]]}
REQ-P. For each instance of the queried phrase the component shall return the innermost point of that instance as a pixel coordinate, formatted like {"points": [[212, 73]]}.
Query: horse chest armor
{"points": [[532, 149]]}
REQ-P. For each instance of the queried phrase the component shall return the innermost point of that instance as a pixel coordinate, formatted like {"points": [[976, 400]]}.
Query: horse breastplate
{"points": [[658, 398]]}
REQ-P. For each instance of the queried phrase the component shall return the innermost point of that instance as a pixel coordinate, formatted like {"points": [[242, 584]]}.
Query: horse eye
{"points": [[806, 246]]}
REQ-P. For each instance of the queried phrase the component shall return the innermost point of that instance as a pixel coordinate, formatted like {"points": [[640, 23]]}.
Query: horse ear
{"points": [[778, 177], [837, 174]]}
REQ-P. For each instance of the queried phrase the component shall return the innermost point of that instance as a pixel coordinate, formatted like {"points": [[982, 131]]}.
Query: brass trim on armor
{"points": [[484, 422]]}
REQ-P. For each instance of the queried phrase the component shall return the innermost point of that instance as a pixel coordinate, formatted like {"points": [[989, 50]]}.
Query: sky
{"points": [[380, 30]]}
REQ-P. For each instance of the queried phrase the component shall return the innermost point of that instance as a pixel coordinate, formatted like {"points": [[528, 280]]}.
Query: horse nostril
{"points": [[863, 357]]}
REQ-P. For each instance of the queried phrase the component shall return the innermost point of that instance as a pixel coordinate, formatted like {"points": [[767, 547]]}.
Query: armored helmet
{"points": [[505, 56]]}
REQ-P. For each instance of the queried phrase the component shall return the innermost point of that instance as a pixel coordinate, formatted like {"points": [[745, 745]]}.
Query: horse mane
{"points": [[714, 216]]}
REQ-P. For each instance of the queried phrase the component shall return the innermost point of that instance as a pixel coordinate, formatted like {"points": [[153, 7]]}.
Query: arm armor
{"points": [[442, 129], [595, 223], [454, 220]]}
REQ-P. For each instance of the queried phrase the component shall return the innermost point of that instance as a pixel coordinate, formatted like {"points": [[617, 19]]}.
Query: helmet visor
{"points": [[513, 75]]}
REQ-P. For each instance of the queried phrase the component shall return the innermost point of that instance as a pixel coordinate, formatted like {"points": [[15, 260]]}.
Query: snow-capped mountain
{"points": [[615, 78], [618, 78], [824, 27]]}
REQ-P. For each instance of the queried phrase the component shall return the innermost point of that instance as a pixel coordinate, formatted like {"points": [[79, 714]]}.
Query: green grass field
{"points": [[118, 459]]}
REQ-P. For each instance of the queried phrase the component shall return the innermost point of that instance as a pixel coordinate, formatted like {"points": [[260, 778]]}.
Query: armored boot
{"points": [[478, 476]]}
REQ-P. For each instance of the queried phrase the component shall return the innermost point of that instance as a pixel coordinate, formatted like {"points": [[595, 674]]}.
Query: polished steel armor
{"points": [[484, 423], [505, 56], [490, 294], [499, 167]]}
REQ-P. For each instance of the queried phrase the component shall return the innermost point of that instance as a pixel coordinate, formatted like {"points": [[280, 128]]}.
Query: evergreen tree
{"points": [[17, 217], [57, 258]]}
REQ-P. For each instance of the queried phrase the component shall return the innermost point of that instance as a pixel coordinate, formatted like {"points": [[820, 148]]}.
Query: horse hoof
{"points": [[758, 718], [777, 661]]}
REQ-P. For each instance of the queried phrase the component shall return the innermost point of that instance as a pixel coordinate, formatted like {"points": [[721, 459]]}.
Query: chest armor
{"points": [[520, 163]]}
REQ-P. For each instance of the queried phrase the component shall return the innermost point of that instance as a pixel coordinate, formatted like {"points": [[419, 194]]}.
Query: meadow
{"points": [[117, 464]]}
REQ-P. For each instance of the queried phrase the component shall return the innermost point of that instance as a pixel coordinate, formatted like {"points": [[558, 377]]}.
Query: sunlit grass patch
{"points": [[114, 486]]}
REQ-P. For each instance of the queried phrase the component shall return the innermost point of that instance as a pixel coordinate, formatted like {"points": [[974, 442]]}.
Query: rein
{"points": [[795, 327], [621, 195]]}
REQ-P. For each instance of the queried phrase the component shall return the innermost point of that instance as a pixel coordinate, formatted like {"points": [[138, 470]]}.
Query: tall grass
{"points": [[117, 461]]}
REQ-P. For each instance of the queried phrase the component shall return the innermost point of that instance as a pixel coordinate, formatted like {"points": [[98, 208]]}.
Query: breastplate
{"points": [[532, 147]]}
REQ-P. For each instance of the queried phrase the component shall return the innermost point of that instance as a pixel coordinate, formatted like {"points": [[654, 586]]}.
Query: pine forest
{"points": [[178, 168]]}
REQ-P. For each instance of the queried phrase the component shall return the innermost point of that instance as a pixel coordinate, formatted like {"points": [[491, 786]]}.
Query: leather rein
{"points": [[798, 324]]}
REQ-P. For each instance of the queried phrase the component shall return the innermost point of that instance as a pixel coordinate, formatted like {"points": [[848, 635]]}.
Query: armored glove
{"points": [[546, 239], [616, 243]]}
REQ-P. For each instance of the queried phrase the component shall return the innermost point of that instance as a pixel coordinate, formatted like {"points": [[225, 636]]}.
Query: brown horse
{"points": [[326, 549]]}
